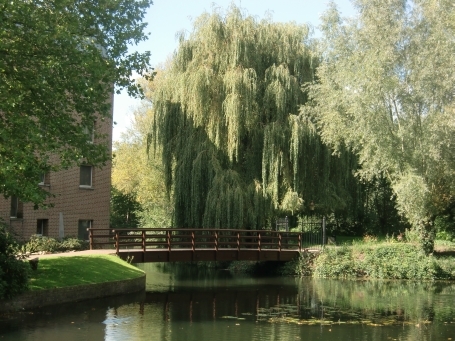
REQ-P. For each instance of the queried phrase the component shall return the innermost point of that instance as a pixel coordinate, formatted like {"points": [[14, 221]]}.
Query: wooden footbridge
{"points": [[192, 245]]}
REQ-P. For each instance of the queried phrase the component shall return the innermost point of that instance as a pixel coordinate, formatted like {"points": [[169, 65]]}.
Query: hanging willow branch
{"points": [[227, 115]]}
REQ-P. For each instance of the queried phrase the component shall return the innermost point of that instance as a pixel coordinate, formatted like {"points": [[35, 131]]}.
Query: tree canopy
{"points": [[385, 90], [59, 63], [124, 209], [137, 175], [235, 148]]}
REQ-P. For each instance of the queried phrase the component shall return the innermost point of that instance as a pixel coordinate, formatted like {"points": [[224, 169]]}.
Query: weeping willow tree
{"points": [[236, 150]]}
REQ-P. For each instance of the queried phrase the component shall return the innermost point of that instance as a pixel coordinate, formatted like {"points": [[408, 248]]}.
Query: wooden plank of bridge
{"points": [[158, 245]]}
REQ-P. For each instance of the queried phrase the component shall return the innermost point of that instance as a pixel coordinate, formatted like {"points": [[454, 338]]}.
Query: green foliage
{"points": [[13, 272], [391, 260], [444, 235], [42, 244], [397, 261], [444, 227], [60, 61], [396, 111], [388, 302], [139, 177], [124, 209], [48, 244], [235, 149], [73, 244], [301, 267], [445, 267], [336, 263]]}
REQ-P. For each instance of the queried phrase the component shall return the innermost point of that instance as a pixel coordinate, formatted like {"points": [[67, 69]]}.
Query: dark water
{"points": [[186, 303]]}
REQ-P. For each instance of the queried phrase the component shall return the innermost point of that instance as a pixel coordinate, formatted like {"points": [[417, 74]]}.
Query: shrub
{"points": [[382, 261], [336, 263], [47, 244], [302, 266], [13, 272], [73, 244], [444, 227], [397, 261], [42, 244]]}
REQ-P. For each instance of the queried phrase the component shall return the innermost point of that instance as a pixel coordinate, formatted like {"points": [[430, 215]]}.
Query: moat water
{"points": [[190, 303]]}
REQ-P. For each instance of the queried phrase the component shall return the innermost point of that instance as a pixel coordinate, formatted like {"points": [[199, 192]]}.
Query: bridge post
{"points": [[259, 241], [300, 242], [143, 242], [216, 241], [192, 240], [168, 237], [279, 241], [117, 242]]}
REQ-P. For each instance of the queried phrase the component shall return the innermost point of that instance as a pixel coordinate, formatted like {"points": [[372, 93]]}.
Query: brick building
{"points": [[82, 196]]}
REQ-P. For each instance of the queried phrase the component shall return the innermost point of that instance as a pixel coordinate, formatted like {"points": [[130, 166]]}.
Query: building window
{"points": [[86, 176], [82, 232], [16, 208], [89, 130], [42, 227], [44, 179]]}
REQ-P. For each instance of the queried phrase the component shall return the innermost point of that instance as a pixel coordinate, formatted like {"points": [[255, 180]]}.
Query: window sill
{"points": [[86, 187]]}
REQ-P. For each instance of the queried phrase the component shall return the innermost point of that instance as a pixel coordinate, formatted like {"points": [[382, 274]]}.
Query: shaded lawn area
{"points": [[62, 272]]}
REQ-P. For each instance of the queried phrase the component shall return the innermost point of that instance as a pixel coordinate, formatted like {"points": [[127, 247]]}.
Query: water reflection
{"points": [[194, 304]]}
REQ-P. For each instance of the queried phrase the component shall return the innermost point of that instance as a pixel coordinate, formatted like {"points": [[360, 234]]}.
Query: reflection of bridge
{"points": [[189, 245], [237, 304]]}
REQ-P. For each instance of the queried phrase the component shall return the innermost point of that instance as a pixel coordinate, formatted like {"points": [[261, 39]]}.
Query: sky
{"points": [[166, 18]]}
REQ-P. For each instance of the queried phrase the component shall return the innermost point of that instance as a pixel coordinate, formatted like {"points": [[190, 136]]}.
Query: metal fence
{"points": [[313, 234]]}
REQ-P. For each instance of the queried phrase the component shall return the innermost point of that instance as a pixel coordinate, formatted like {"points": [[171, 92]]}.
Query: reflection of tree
{"points": [[384, 301]]}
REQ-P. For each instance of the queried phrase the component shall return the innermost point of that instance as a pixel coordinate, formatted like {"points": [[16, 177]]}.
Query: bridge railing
{"points": [[185, 238]]}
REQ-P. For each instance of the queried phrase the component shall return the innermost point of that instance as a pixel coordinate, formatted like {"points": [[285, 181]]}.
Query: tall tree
{"points": [[59, 63], [386, 90], [124, 209], [236, 151], [135, 174]]}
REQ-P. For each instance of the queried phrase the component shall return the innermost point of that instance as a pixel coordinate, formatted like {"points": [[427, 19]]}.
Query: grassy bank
{"points": [[60, 272], [378, 260]]}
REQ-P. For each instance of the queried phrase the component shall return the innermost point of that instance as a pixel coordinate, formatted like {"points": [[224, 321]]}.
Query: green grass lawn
{"points": [[62, 272]]}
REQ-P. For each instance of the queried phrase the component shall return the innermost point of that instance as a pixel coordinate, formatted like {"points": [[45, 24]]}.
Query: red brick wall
{"points": [[74, 202]]}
